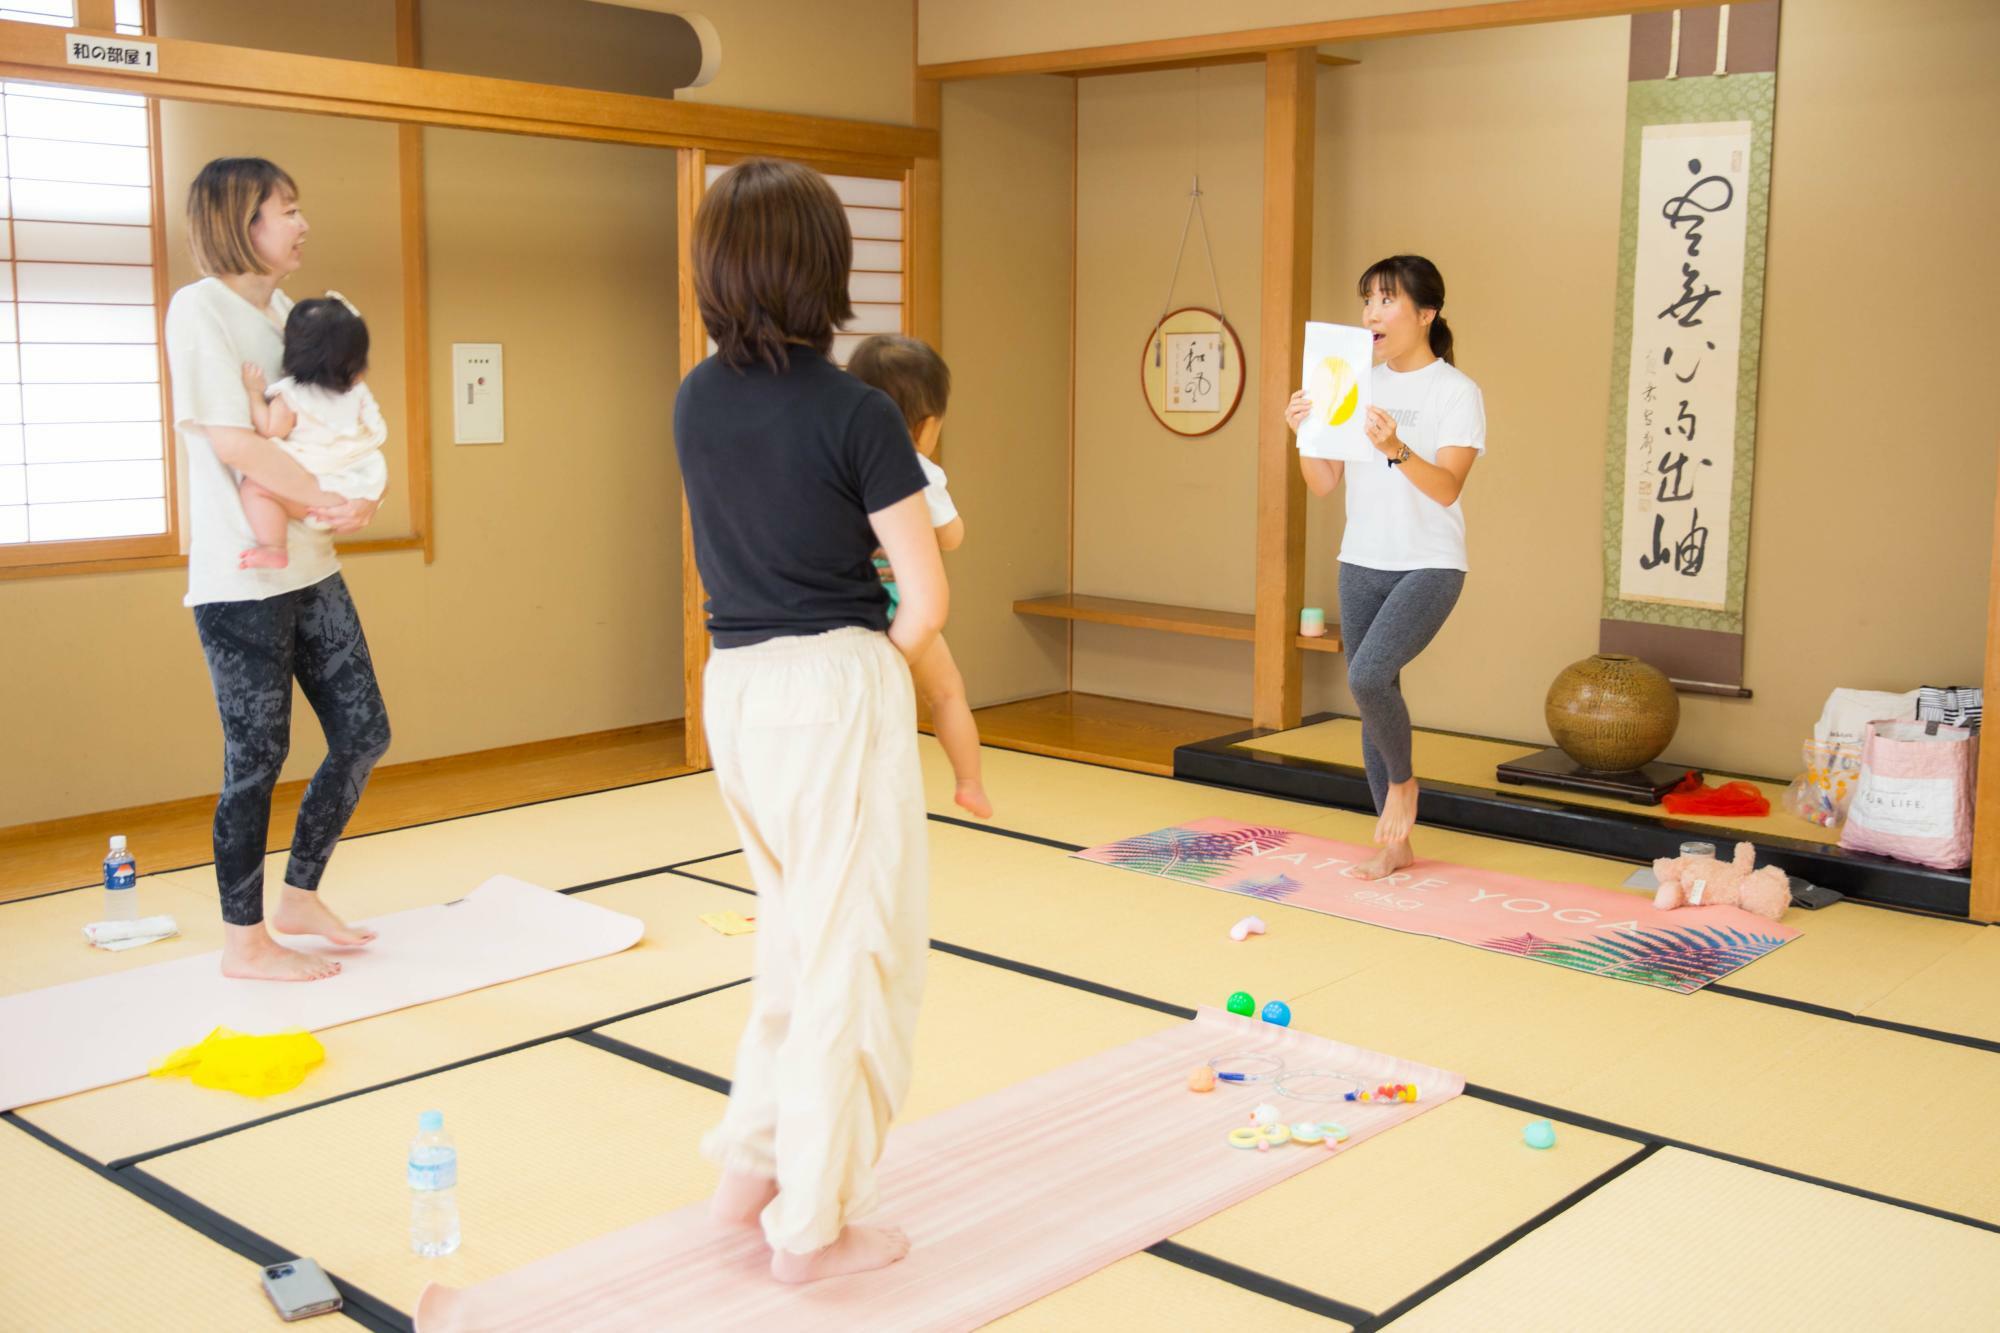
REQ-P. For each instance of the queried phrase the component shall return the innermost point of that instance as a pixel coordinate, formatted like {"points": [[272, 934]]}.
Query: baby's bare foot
{"points": [[857, 1250], [264, 557], [971, 797], [740, 1198], [300, 912]]}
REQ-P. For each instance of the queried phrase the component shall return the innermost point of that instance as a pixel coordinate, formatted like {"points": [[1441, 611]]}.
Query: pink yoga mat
{"points": [[1576, 926], [1005, 1199], [107, 1029]]}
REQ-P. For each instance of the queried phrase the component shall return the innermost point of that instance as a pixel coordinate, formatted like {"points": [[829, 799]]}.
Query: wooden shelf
{"points": [[1234, 625], [1114, 733], [1141, 615]]}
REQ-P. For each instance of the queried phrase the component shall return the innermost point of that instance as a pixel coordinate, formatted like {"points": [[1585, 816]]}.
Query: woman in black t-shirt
{"points": [[796, 473]]}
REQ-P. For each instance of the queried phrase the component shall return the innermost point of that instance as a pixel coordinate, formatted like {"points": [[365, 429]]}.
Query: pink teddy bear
{"points": [[1701, 881]]}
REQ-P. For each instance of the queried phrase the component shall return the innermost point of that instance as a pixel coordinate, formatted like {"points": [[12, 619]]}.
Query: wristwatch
{"points": [[1402, 457]]}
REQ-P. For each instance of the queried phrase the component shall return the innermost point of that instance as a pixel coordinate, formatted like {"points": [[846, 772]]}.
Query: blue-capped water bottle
{"points": [[121, 883], [433, 1188]]}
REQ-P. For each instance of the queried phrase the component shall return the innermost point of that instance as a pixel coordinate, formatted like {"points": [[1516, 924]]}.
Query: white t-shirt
{"points": [[211, 332], [1390, 523], [936, 497]]}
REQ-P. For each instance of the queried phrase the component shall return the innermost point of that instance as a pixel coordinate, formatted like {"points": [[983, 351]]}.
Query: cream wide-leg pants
{"points": [[814, 743]]}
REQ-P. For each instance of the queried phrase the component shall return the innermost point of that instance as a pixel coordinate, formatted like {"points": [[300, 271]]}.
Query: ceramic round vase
{"points": [[1612, 713]]}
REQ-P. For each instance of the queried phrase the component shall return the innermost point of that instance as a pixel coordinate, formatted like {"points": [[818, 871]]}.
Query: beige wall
{"points": [[851, 59], [553, 607], [1498, 154], [958, 30], [1006, 169], [1159, 517]]}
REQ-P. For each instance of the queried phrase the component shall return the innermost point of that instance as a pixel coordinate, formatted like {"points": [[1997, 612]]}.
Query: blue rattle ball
{"points": [[1241, 1003], [1539, 1134], [1277, 1011]]}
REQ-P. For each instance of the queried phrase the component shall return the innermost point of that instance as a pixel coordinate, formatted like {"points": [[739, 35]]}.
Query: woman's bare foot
{"points": [[1386, 862], [857, 1250], [300, 912], [264, 557], [740, 1198], [1399, 814], [249, 953], [971, 797]]}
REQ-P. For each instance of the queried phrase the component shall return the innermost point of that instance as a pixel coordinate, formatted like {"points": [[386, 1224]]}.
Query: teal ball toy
{"points": [[1540, 1134], [1278, 1012], [1241, 1003]]}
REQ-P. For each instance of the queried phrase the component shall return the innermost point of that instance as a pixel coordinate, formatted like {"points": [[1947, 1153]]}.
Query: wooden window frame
{"points": [[153, 550], [168, 550]]}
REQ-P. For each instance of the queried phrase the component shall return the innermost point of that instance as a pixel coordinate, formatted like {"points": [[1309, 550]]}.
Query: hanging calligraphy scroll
{"points": [[1683, 420]]}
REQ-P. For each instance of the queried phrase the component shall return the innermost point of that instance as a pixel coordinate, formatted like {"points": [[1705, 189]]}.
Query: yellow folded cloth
{"points": [[238, 1062]]}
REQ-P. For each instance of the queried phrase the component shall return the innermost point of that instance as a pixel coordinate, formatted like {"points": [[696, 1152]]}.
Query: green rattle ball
{"points": [[1241, 1003]]}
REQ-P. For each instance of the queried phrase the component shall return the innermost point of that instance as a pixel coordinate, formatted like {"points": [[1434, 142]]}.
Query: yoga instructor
{"points": [[1402, 556], [262, 628]]}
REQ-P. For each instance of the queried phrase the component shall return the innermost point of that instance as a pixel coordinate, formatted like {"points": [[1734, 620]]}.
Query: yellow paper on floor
{"points": [[728, 923]]}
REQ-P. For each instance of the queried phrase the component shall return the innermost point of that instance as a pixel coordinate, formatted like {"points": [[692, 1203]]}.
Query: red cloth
{"points": [[1693, 797]]}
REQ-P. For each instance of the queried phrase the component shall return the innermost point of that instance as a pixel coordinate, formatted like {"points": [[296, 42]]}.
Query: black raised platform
{"points": [[1517, 813], [1553, 768]]}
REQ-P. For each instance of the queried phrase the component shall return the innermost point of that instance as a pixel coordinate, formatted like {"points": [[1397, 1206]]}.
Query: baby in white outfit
{"points": [[322, 414]]}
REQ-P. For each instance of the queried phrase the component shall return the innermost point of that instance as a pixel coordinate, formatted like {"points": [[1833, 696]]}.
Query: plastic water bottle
{"points": [[433, 1188], [121, 883]]}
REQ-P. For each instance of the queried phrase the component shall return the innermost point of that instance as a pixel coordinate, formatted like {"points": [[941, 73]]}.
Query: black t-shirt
{"points": [[782, 470]]}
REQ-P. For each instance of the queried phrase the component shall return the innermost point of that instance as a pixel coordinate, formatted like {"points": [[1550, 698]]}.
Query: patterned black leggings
{"points": [[254, 651]]}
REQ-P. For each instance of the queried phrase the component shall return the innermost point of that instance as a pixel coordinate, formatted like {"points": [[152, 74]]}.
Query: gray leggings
{"points": [[1387, 617]]}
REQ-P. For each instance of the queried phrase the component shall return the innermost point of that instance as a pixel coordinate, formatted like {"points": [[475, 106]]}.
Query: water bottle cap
{"points": [[118, 842], [431, 1121]]}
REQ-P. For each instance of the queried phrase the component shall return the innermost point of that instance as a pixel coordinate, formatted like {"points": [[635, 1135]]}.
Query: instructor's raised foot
{"points": [[857, 1250]]}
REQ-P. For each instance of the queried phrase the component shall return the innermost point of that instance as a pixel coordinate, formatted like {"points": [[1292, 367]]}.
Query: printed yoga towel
{"points": [[1576, 926], [1005, 1198]]}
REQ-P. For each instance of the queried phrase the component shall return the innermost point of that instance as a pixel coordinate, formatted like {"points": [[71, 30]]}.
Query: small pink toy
{"points": [[1700, 881], [1244, 929]]}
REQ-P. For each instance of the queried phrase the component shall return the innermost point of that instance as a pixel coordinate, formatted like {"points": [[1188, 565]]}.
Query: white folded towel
{"points": [[130, 934]]}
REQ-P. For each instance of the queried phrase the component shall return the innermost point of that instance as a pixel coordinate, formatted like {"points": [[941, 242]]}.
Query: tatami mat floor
{"points": [[1807, 1146]]}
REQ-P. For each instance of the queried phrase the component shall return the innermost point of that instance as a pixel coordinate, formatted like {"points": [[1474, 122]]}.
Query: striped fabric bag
{"points": [[1952, 705]]}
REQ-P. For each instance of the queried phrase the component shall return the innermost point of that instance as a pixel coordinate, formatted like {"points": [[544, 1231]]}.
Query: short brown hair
{"points": [[771, 252], [222, 203], [909, 370]]}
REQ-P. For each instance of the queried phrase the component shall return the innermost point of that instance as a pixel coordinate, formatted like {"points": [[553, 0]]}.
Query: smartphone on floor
{"points": [[300, 1289]]}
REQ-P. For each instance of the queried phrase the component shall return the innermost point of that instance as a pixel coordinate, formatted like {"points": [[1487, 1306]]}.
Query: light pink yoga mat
{"points": [[107, 1029], [1576, 926], [1005, 1199]]}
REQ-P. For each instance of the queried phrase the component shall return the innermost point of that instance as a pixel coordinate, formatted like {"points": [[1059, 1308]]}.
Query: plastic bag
{"points": [[1914, 800], [1820, 794]]}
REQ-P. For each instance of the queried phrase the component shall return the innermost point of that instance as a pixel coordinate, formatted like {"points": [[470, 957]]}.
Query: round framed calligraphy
{"points": [[1191, 371]]}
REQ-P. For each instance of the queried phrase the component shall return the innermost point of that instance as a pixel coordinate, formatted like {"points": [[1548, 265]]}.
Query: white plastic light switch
{"points": [[478, 406]]}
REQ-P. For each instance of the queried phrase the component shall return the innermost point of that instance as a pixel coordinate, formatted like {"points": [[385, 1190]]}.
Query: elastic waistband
{"points": [[851, 641]]}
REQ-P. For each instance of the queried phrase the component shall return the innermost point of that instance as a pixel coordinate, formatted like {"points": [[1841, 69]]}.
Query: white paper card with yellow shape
{"points": [[1338, 377]]}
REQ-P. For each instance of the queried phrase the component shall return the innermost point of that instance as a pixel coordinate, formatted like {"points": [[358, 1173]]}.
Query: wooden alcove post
{"points": [[1290, 118], [1985, 904]]}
